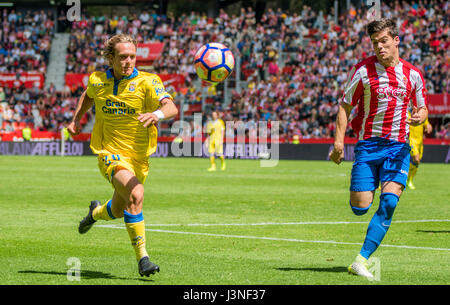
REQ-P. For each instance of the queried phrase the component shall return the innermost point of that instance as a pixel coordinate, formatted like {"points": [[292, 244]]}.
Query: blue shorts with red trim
{"points": [[379, 160]]}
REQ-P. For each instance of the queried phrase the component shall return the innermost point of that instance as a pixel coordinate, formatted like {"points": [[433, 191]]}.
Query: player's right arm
{"points": [[353, 92], [337, 154], [222, 131], [208, 131], [84, 104]]}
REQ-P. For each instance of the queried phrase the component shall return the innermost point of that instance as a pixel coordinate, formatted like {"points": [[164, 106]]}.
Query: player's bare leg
{"points": [[129, 188], [129, 193], [361, 199], [392, 187], [360, 203], [378, 226]]}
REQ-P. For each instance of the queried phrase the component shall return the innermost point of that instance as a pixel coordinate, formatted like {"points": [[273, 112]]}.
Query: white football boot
{"points": [[360, 267]]}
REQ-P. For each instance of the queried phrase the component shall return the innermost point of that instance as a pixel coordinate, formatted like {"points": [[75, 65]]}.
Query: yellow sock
{"points": [[222, 161], [136, 231], [412, 171], [103, 212], [212, 160]]}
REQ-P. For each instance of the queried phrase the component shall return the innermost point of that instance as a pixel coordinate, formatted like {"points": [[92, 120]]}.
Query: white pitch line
{"points": [[276, 239], [251, 224], [288, 223]]}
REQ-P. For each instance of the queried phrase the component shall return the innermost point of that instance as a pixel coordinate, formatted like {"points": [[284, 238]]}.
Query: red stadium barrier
{"points": [[148, 52], [174, 80], [37, 135], [29, 80], [439, 103], [74, 80]]}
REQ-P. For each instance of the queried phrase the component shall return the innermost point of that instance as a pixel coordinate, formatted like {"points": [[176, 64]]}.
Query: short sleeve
{"points": [[419, 95], [158, 91], [354, 88], [90, 88]]}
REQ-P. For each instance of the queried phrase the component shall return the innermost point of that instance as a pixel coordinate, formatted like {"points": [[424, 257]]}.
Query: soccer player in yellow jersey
{"points": [[416, 143], [216, 130], [128, 104]]}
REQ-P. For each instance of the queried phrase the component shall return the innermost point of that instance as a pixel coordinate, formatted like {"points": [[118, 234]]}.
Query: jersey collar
{"points": [[109, 74]]}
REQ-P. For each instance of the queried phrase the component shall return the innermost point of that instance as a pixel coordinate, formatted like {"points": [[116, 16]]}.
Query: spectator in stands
{"points": [[25, 41], [2, 95], [8, 126], [443, 132]]}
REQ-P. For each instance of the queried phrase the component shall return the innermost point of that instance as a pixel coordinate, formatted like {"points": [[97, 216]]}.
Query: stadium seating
{"points": [[294, 66]]}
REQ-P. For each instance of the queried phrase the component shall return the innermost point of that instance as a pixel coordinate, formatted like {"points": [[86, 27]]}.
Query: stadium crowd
{"points": [[294, 65], [44, 110], [25, 41]]}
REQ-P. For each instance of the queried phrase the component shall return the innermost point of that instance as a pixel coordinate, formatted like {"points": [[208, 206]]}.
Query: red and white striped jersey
{"points": [[383, 96]]}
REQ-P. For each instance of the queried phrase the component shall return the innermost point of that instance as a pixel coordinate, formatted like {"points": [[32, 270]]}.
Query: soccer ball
{"points": [[214, 62]]}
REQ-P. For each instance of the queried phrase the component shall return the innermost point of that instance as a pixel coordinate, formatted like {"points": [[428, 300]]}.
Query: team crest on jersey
{"points": [[132, 87], [405, 80]]}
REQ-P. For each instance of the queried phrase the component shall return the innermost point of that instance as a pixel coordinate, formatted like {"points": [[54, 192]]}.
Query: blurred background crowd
{"points": [[293, 65]]}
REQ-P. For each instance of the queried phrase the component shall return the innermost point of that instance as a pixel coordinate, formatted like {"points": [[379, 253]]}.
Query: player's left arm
{"points": [[418, 116], [168, 108], [167, 111]]}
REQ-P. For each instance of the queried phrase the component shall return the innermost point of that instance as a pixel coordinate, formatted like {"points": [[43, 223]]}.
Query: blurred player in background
{"points": [[416, 143], [128, 104], [215, 130], [382, 86]]}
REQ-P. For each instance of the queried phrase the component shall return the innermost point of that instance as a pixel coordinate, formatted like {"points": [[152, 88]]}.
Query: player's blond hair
{"points": [[110, 45]]}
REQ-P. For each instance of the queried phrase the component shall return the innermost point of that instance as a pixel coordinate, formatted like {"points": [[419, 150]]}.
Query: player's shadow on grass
{"points": [[85, 274], [326, 269], [429, 231]]}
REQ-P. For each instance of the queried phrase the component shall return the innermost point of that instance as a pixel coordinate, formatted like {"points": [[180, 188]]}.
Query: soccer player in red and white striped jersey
{"points": [[383, 95], [382, 87]]}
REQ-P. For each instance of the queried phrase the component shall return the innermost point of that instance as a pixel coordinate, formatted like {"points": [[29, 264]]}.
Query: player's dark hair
{"points": [[382, 24]]}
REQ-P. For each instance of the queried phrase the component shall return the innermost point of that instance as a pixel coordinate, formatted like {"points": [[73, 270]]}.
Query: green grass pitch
{"points": [[249, 225]]}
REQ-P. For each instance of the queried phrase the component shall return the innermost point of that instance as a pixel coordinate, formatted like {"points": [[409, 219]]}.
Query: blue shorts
{"points": [[379, 160]]}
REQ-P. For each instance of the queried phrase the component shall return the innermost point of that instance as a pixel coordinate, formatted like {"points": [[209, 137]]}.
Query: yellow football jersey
{"points": [[118, 104], [215, 128]]}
